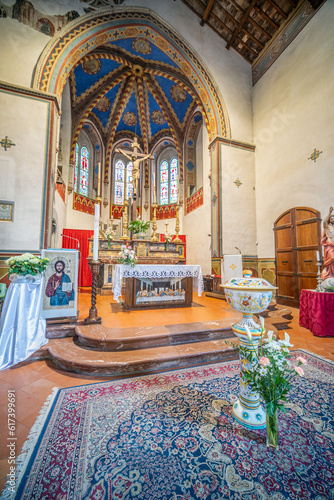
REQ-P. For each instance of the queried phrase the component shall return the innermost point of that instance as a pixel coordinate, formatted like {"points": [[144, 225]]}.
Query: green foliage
{"points": [[26, 264], [139, 226]]}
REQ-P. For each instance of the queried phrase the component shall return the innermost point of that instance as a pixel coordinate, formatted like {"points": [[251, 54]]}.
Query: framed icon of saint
{"points": [[60, 293]]}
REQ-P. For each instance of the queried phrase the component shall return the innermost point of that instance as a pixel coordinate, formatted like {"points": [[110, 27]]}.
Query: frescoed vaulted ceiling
{"points": [[137, 89]]}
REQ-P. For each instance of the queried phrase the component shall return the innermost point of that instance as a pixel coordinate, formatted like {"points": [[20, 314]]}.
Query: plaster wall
{"points": [[238, 203], [22, 170], [293, 115], [21, 47], [197, 224]]}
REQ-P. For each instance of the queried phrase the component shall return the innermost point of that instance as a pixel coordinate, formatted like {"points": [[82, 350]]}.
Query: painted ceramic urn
{"points": [[248, 295]]}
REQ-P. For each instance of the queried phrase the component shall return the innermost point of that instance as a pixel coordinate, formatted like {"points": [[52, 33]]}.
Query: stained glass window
{"points": [[173, 180], [123, 182], [76, 160], [119, 182], [164, 170], [129, 180], [169, 181], [84, 169]]}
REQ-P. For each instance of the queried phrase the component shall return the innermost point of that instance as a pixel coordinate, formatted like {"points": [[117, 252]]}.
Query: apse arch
{"points": [[87, 33]]}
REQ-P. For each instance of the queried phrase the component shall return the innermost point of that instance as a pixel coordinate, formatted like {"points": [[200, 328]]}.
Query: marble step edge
{"points": [[71, 357], [112, 339]]}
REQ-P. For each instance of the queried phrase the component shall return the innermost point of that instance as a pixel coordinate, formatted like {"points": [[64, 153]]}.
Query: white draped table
{"points": [[22, 330], [156, 271]]}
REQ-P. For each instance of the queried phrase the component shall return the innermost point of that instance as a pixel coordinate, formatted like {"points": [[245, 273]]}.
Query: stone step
{"points": [[69, 355], [121, 339]]}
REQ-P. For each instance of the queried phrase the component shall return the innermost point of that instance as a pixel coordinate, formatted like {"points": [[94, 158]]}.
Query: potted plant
{"points": [[26, 266], [138, 226]]}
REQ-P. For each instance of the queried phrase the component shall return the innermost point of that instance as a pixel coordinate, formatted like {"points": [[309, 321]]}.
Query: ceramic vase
{"points": [[248, 295]]}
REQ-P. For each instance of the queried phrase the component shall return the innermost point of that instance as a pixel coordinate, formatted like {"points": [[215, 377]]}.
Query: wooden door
{"points": [[297, 239]]}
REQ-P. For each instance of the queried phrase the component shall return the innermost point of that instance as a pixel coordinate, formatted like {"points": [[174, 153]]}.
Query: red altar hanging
{"points": [[82, 235], [316, 312]]}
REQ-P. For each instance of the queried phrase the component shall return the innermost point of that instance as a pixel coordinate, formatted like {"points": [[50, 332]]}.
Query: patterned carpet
{"points": [[172, 436]]}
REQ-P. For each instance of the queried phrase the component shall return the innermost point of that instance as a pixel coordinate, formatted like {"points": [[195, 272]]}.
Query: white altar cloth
{"points": [[155, 271], [22, 331]]}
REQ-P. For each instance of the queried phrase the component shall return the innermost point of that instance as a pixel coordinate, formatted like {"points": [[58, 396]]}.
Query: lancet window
{"points": [[81, 170], [123, 182], [169, 174]]}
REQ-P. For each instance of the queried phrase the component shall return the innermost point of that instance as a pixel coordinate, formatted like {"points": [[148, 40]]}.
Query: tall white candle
{"points": [[96, 232], [318, 256]]}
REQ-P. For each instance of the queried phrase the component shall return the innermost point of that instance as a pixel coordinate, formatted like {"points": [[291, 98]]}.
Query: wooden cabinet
{"points": [[297, 239]]}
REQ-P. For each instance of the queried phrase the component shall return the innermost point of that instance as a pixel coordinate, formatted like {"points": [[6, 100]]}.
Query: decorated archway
{"points": [[89, 32]]}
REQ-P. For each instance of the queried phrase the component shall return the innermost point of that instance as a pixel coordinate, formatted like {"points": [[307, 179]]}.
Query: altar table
{"points": [[157, 285], [316, 312]]}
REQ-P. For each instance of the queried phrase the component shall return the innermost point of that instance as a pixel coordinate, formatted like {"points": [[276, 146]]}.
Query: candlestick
{"points": [[96, 232], [99, 179], [125, 221], [154, 225], [177, 226]]}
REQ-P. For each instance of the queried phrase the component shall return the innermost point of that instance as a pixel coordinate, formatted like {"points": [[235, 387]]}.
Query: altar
{"points": [[147, 252], [157, 286]]}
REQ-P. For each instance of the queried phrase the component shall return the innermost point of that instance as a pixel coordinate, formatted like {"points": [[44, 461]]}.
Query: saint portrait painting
{"points": [[60, 283]]}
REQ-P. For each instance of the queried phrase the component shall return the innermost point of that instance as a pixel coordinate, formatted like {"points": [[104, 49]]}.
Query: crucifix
{"points": [[136, 159], [7, 143]]}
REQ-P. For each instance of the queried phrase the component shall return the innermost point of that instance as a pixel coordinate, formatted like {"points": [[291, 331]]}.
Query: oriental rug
{"points": [[172, 436]]}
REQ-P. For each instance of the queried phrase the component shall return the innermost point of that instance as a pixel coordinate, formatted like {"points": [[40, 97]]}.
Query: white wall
{"points": [[197, 224], [238, 203], [293, 115], [22, 170], [21, 47]]}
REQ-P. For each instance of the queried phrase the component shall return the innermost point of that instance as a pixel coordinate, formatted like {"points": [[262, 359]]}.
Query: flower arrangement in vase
{"points": [[138, 226], [127, 256], [109, 233], [26, 265], [168, 238], [268, 370]]}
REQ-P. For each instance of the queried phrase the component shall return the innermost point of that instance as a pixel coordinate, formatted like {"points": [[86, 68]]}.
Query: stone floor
{"points": [[33, 381]]}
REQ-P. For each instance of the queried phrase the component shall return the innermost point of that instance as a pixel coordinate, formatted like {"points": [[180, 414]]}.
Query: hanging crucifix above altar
{"points": [[136, 159]]}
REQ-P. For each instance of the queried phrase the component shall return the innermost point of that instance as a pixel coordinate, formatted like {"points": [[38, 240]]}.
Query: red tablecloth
{"points": [[316, 312]]}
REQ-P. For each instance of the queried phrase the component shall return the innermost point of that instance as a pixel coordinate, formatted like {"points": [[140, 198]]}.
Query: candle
{"points": [[318, 256], [96, 232]]}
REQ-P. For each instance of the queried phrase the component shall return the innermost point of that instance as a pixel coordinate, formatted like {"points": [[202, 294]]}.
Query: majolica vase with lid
{"points": [[248, 295]]}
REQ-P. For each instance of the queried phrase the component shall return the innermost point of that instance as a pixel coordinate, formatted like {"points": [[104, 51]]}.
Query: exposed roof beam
{"points": [[238, 40], [257, 26], [243, 19], [266, 17], [283, 14], [207, 12], [255, 40]]}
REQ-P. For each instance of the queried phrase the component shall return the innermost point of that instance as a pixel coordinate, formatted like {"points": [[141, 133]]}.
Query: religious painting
{"points": [[178, 94], [103, 104], [130, 119], [141, 45], [160, 290], [91, 66], [158, 117], [6, 211], [60, 287]]}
